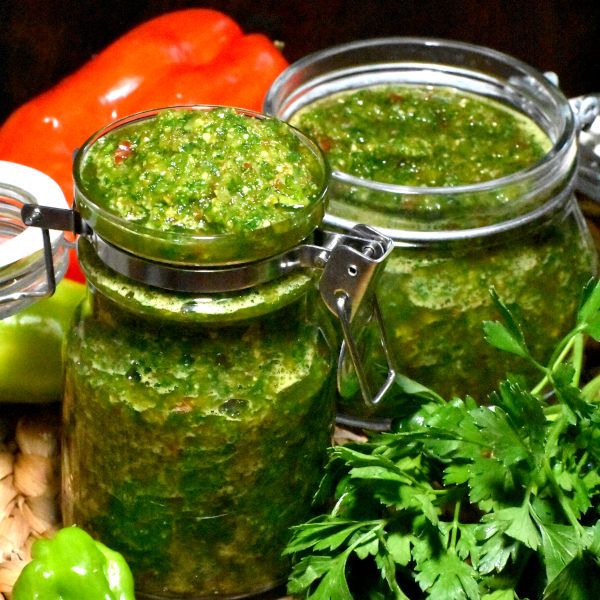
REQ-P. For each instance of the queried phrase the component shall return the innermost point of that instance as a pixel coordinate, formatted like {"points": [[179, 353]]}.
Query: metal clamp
{"points": [[351, 263], [50, 286], [46, 217], [586, 109], [19, 199], [347, 287]]}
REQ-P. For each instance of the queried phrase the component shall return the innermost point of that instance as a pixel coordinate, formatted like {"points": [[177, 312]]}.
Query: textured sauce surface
{"points": [[205, 172], [421, 136]]}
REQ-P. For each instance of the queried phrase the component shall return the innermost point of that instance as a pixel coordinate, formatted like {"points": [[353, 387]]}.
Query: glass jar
{"points": [[522, 233], [199, 396], [196, 428], [25, 253], [30, 334]]}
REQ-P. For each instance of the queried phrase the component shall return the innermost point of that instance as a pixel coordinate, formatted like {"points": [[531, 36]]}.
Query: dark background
{"points": [[43, 40]]}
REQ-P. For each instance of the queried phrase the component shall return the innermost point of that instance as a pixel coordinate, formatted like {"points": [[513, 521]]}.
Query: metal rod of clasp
{"points": [[22, 199], [349, 343], [50, 287], [34, 215], [347, 287]]}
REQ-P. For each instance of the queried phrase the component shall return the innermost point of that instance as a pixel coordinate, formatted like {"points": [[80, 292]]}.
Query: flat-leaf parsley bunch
{"points": [[461, 501]]}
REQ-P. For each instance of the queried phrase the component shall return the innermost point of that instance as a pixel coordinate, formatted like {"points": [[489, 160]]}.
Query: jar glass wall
{"points": [[520, 232]]}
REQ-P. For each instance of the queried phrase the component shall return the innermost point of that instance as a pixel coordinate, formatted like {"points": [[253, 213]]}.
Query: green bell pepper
{"points": [[31, 347], [74, 566]]}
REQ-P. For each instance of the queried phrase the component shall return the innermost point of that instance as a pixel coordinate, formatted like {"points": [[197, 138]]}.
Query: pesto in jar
{"points": [[192, 445], [422, 136], [434, 295], [205, 172], [196, 424]]}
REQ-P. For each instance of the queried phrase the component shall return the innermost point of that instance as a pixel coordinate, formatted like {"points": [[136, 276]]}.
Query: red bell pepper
{"points": [[193, 56]]}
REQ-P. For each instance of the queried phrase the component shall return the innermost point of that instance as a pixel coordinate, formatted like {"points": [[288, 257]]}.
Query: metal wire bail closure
{"points": [[348, 289], [31, 262], [351, 263], [587, 114]]}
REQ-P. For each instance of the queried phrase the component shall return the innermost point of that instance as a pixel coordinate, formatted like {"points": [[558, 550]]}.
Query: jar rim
{"points": [[196, 248], [342, 61]]}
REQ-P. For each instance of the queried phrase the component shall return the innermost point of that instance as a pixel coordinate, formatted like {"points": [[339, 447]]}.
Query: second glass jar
{"points": [[521, 233]]}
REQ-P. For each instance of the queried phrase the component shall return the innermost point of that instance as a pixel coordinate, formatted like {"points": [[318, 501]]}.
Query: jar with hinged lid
{"points": [[32, 325], [200, 370], [25, 254], [468, 159]]}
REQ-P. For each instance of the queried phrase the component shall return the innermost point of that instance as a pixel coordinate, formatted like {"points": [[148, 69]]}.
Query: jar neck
{"points": [[142, 301]]}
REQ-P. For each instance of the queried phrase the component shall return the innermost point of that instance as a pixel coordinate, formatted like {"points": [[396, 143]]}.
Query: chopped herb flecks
{"points": [[422, 135], [203, 171]]}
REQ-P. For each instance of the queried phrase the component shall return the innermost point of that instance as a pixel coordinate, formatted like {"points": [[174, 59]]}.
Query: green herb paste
{"points": [[434, 297], [193, 449], [196, 425], [421, 136], [204, 172]]}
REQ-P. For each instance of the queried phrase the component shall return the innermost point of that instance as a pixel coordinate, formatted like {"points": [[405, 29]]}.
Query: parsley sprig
{"points": [[463, 501]]}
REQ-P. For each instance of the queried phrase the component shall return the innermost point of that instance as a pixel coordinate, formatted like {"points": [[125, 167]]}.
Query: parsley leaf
{"points": [[579, 580], [448, 577], [507, 336]]}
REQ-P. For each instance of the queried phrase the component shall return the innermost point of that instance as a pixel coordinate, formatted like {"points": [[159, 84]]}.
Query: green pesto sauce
{"points": [[193, 449], [434, 303], [434, 298], [196, 426], [421, 136], [204, 172]]}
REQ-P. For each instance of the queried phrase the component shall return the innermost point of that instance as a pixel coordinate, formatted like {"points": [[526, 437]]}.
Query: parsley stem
{"points": [[572, 342], [591, 390], [338, 504], [455, 521], [577, 357], [563, 501], [551, 445], [581, 463], [554, 433], [391, 570]]}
